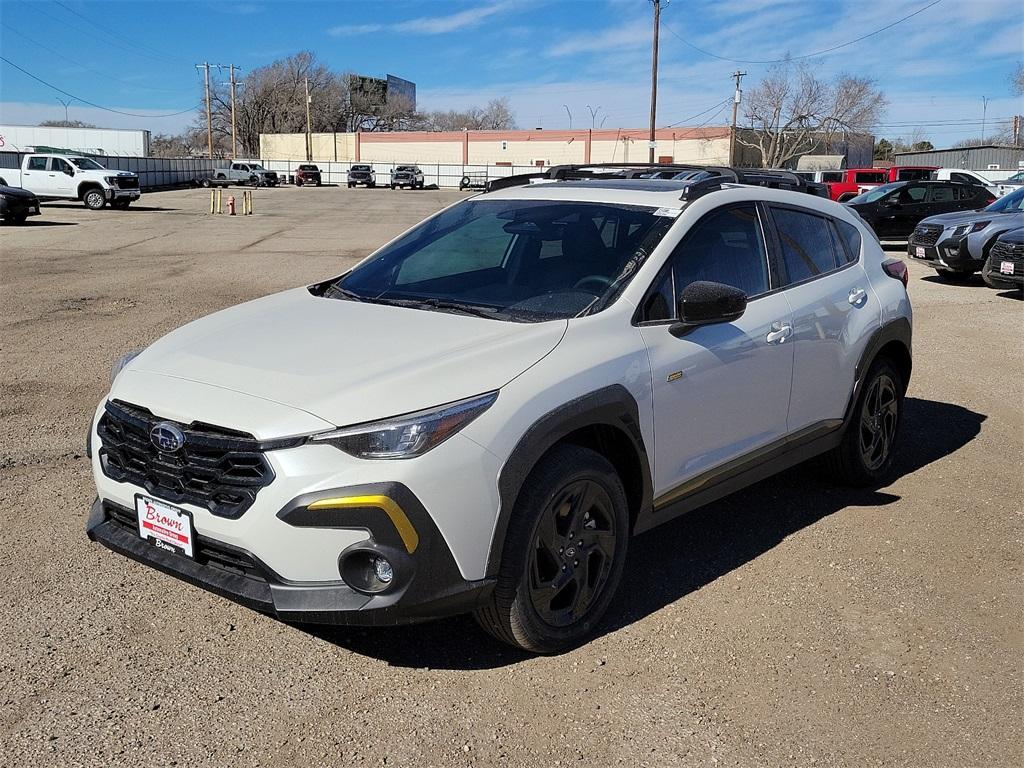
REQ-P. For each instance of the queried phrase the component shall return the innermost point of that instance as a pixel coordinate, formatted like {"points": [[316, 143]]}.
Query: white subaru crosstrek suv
{"points": [[479, 415]]}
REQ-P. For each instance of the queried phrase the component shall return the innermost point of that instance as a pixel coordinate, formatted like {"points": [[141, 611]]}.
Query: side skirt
{"points": [[743, 471]]}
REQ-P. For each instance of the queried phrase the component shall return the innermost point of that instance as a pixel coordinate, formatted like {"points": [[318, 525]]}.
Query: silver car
{"points": [[957, 244]]}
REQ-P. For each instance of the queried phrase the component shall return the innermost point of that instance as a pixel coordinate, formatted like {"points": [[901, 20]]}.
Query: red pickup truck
{"points": [[842, 185]]}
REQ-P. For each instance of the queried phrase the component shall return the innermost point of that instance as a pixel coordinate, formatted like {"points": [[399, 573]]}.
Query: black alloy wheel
{"points": [[572, 553], [563, 555], [878, 421]]}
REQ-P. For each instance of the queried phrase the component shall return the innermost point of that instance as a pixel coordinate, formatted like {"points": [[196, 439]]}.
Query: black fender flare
{"points": [[612, 406], [898, 330]]}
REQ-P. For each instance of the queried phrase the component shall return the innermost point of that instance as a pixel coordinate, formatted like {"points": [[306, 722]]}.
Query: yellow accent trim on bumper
{"points": [[398, 517]]}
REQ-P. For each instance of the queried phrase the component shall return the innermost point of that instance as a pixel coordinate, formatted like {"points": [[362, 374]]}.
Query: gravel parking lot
{"points": [[793, 624]]}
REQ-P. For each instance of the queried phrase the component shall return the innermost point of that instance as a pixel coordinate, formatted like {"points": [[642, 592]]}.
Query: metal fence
{"points": [[441, 174], [154, 172]]}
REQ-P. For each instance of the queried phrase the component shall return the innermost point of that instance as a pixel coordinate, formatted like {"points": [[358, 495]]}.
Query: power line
{"points": [[87, 68], [86, 101], [144, 50], [699, 114], [806, 55]]}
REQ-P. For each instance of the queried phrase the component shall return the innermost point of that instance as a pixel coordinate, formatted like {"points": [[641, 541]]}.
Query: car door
{"points": [[834, 312], [62, 177], [36, 176], [944, 198], [911, 206], [720, 391]]}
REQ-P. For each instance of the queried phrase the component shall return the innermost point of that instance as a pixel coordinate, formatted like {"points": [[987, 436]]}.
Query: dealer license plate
{"points": [[919, 252], [166, 526], [1006, 267]]}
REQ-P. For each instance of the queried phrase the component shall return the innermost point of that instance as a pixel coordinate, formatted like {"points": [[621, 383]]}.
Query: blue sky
{"points": [[139, 56]]}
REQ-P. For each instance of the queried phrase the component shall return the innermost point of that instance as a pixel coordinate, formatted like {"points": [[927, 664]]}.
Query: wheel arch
{"points": [[85, 186], [608, 422], [893, 342]]}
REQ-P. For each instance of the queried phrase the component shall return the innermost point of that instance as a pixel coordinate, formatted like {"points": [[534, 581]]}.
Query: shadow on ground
{"points": [[681, 556], [44, 223]]}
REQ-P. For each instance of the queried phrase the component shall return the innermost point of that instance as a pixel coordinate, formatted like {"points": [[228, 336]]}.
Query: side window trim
{"points": [[773, 274], [777, 245]]}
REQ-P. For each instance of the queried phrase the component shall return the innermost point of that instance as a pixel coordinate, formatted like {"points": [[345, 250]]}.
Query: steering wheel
{"points": [[602, 281]]}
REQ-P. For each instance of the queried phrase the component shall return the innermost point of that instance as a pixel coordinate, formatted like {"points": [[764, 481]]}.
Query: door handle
{"points": [[857, 297], [779, 333]]}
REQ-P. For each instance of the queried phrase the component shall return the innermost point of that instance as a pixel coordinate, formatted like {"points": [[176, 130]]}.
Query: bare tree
{"points": [[1017, 80], [190, 143], [792, 111], [66, 124], [497, 115]]}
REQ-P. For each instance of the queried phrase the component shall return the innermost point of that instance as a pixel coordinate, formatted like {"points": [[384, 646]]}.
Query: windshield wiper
{"points": [[335, 291], [442, 304]]}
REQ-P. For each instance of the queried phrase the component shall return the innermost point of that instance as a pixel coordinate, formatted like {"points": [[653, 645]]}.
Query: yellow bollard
{"points": [[212, 193]]}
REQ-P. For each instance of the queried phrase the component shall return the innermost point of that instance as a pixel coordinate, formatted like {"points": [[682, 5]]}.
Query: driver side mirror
{"points": [[707, 303], [69, 171]]}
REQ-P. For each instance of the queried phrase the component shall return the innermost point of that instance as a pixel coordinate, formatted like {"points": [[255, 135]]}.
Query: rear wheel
{"points": [[865, 455], [94, 199], [564, 553]]}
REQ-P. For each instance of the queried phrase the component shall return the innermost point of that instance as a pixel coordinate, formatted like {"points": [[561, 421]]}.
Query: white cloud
{"points": [[428, 25]]}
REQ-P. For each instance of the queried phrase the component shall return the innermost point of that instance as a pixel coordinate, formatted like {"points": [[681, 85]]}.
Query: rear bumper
{"points": [[19, 207], [427, 585]]}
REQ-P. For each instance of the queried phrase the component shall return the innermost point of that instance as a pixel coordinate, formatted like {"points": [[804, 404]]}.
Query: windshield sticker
{"points": [[670, 212]]}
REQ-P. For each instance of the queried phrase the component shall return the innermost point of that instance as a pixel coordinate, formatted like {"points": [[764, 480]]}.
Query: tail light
{"points": [[896, 269]]}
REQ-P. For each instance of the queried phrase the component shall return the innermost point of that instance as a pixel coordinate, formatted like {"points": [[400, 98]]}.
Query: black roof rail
{"points": [[774, 178]]}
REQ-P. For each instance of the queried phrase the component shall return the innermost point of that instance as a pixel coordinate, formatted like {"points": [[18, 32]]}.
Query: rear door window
{"points": [[37, 164], [869, 177], [808, 246], [913, 174], [941, 194]]}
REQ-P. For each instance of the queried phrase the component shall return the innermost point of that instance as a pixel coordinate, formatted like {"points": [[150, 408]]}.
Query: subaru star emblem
{"points": [[166, 437]]}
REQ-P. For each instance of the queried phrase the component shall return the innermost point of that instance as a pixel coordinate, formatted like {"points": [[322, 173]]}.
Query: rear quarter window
{"points": [[850, 240], [808, 246]]}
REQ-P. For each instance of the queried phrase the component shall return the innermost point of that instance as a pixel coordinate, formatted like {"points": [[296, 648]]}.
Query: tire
{"points": [[350, 185], [372, 184], [94, 199], [206, 183], [317, 183], [865, 455], [392, 186], [298, 182], [254, 181], [17, 218], [571, 487]]}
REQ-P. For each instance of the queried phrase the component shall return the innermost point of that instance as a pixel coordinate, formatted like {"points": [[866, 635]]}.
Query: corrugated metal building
{"points": [[981, 159], [95, 141]]}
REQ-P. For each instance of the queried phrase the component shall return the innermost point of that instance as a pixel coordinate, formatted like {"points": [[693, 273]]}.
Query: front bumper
{"points": [[992, 272], [948, 254], [19, 206], [426, 585], [123, 194]]}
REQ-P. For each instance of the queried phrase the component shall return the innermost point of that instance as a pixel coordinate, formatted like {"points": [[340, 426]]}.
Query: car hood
{"points": [[959, 217], [348, 362], [16, 192]]}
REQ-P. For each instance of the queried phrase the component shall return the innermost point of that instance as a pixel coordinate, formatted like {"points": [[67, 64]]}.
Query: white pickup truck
{"points": [[71, 177]]}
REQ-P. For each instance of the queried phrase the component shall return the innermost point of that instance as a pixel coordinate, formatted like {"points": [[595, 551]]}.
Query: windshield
{"points": [[1011, 202], [360, 167], [256, 167], [86, 164], [308, 168], [1017, 178], [875, 194], [405, 168], [511, 259]]}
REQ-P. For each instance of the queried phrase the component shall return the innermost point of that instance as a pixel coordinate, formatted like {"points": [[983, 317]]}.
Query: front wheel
{"points": [[564, 553], [865, 455], [94, 199]]}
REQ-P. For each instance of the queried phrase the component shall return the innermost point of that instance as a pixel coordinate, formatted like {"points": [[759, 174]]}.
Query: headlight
{"points": [[961, 230], [121, 362], [980, 225], [111, 180], [404, 437]]}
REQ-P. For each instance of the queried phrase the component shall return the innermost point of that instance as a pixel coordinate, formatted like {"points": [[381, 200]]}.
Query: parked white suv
{"points": [[480, 415]]}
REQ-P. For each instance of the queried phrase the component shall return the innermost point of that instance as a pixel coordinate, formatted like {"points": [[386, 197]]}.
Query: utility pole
{"points": [[309, 138], [1016, 130], [735, 108], [570, 115], [654, 77], [209, 114], [234, 140], [984, 113]]}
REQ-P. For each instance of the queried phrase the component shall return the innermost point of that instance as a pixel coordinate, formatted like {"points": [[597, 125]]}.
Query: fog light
{"points": [[382, 569]]}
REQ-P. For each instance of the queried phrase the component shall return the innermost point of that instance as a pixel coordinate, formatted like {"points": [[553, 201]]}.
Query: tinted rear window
{"points": [[807, 245]]}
